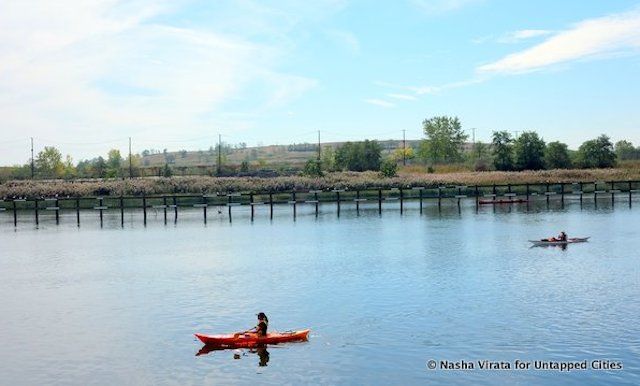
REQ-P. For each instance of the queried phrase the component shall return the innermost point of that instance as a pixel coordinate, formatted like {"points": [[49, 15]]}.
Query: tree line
{"points": [[445, 142]]}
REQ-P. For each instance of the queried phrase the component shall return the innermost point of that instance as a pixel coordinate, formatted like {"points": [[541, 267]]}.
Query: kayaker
{"points": [[261, 327], [561, 237]]}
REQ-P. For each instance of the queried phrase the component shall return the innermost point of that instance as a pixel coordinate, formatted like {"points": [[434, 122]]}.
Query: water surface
{"points": [[382, 295]]}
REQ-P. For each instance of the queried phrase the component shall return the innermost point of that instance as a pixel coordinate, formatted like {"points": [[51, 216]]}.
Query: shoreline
{"points": [[338, 180]]}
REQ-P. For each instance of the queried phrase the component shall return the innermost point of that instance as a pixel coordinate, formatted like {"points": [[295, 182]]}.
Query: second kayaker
{"points": [[561, 237]]}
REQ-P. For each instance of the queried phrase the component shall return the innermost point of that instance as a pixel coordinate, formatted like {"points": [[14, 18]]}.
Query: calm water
{"points": [[383, 295]]}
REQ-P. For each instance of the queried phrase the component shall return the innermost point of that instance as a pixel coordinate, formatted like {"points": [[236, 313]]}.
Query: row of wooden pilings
{"points": [[170, 203]]}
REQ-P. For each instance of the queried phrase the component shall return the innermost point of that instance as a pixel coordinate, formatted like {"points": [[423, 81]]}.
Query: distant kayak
{"points": [[568, 241], [251, 339], [494, 202]]}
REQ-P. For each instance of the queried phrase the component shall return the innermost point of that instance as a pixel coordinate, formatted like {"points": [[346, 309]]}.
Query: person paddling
{"points": [[260, 328], [561, 237]]}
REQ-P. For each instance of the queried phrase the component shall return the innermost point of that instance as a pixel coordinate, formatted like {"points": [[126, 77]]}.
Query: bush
{"points": [[389, 168], [312, 169]]}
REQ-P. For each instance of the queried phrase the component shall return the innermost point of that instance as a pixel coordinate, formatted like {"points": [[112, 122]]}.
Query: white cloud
{"points": [[525, 34], [107, 69], [592, 38], [405, 97], [380, 102]]}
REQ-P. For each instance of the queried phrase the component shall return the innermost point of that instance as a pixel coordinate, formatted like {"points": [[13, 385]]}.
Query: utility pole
{"points": [[130, 161], [473, 135], [517, 132], [319, 155], [32, 161], [219, 153], [404, 148]]}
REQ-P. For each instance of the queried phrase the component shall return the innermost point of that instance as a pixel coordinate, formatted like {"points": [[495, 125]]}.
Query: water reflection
{"points": [[260, 350]]}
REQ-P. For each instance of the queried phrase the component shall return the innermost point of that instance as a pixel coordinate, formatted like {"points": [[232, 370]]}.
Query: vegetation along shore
{"points": [[443, 157]]}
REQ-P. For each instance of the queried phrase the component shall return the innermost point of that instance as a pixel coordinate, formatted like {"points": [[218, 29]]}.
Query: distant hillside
{"points": [[273, 156]]}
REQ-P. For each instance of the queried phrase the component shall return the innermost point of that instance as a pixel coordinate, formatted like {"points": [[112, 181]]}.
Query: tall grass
{"points": [[340, 180]]}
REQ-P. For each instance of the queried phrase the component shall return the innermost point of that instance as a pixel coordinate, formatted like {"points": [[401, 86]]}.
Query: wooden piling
{"points": [[100, 205], [78, 211], [15, 214], [164, 205], [477, 196], [229, 205], [547, 194], [121, 211], [253, 210], [338, 201], [270, 205], [144, 210], [57, 209], [35, 207], [613, 194], [581, 193], [175, 210], [357, 202], [401, 201], [293, 199], [379, 201], [205, 203]]}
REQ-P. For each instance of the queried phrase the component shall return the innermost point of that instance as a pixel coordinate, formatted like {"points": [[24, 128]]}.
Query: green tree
{"points": [[99, 167], [114, 162], [597, 153], [444, 139], [556, 156], [359, 156], [49, 162], [244, 166], [625, 151], [528, 151], [502, 149], [328, 159], [69, 170]]}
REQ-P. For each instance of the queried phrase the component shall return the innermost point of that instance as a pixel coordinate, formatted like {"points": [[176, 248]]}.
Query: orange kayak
{"points": [[251, 339]]}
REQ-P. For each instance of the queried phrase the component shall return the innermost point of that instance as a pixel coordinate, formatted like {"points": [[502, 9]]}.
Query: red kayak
{"points": [[494, 202], [252, 339]]}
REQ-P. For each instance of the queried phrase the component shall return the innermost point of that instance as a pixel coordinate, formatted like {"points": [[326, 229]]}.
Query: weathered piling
{"points": [[144, 209]]}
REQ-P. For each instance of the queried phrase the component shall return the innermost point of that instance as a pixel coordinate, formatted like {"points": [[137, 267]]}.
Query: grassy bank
{"points": [[342, 180]]}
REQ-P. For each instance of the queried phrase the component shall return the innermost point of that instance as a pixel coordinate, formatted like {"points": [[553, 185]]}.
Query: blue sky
{"points": [[84, 76]]}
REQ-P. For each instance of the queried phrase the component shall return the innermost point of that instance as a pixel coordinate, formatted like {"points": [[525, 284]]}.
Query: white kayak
{"points": [[568, 241]]}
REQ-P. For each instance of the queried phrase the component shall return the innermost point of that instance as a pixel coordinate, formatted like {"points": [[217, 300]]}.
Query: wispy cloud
{"points": [[345, 39], [380, 102], [591, 38], [434, 7], [405, 97], [522, 35]]}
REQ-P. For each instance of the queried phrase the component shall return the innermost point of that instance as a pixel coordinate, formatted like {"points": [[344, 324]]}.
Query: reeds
{"points": [[340, 180]]}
